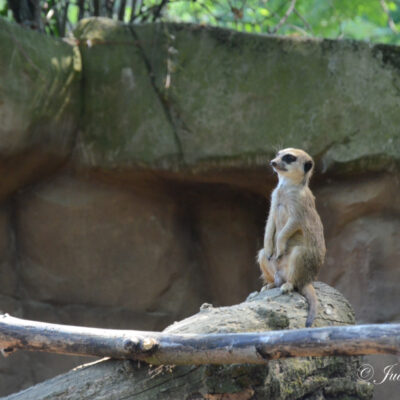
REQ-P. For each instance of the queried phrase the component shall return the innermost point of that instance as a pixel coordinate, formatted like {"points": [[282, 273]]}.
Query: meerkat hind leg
{"points": [[300, 275], [287, 287], [294, 270], [297, 270], [280, 271], [267, 269]]}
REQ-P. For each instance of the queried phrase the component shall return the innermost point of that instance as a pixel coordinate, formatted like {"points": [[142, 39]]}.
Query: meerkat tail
{"points": [[308, 292]]}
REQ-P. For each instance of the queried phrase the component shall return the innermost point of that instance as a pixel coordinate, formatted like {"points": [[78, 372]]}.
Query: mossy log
{"points": [[323, 377]]}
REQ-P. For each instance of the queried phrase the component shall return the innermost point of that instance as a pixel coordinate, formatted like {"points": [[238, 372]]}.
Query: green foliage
{"points": [[355, 19], [373, 20], [4, 9]]}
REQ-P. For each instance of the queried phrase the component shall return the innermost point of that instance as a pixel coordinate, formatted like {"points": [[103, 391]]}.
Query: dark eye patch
{"points": [[307, 166], [289, 158]]}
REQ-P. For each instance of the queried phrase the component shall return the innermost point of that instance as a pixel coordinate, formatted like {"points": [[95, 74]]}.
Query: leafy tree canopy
{"points": [[373, 20]]}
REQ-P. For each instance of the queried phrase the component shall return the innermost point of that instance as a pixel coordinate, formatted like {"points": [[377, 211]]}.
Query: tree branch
{"points": [[96, 8], [158, 9], [109, 8], [386, 10], [285, 17], [195, 349], [63, 24], [305, 22], [81, 7], [121, 11]]}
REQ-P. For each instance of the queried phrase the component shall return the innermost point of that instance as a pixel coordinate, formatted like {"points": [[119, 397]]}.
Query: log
{"points": [[212, 336], [196, 349]]}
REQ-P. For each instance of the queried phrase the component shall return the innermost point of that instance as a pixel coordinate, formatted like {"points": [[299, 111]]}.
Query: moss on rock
{"points": [[39, 104], [208, 98]]}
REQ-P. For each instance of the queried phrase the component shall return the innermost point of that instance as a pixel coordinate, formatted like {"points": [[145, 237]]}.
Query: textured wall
{"points": [[39, 105]]}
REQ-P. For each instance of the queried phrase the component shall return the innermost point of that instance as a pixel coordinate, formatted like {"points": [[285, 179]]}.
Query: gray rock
{"points": [[205, 97], [39, 105]]}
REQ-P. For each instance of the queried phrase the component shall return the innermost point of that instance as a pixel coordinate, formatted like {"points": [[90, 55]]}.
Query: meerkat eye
{"points": [[289, 158]]}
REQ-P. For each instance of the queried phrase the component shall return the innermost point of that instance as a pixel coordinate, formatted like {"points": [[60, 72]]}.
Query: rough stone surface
{"points": [[39, 105], [298, 378], [225, 98], [8, 272], [362, 225], [135, 248], [124, 123], [104, 239]]}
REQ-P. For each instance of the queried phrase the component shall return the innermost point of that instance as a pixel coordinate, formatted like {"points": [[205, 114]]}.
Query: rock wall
{"points": [[39, 105], [140, 193]]}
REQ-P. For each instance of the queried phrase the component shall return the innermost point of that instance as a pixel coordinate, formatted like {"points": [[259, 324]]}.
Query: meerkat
{"points": [[294, 245]]}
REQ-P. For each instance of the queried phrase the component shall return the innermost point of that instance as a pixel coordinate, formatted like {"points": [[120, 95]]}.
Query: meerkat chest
{"points": [[282, 210]]}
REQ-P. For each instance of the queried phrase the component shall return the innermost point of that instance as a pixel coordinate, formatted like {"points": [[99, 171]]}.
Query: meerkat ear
{"points": [[307, 166]]}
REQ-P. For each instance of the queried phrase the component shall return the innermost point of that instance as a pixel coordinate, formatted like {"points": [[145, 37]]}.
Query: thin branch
{"points": [[52, 15], [195, 349], [141, 13], [305, 22], [133, 12], [299, 29], [63, 23], [109, 8], [81, 6], [38, 15], [391, 23], [96, 8], [121, 11], [158, 9], [285, 17]]}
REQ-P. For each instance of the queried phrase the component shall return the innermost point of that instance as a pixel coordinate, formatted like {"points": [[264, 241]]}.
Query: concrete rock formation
{"points": [[134, 172], [39, 105]]}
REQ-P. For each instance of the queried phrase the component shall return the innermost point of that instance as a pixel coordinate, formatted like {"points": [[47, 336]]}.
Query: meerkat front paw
{"points": [[280, 251], [287, 288], [269, 252]]}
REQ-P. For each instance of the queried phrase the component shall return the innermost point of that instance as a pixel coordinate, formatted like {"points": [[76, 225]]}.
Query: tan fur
{"points": [[294, 246]]}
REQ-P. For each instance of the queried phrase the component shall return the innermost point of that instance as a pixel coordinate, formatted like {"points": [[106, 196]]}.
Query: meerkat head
{"points": [[293, 165]]}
